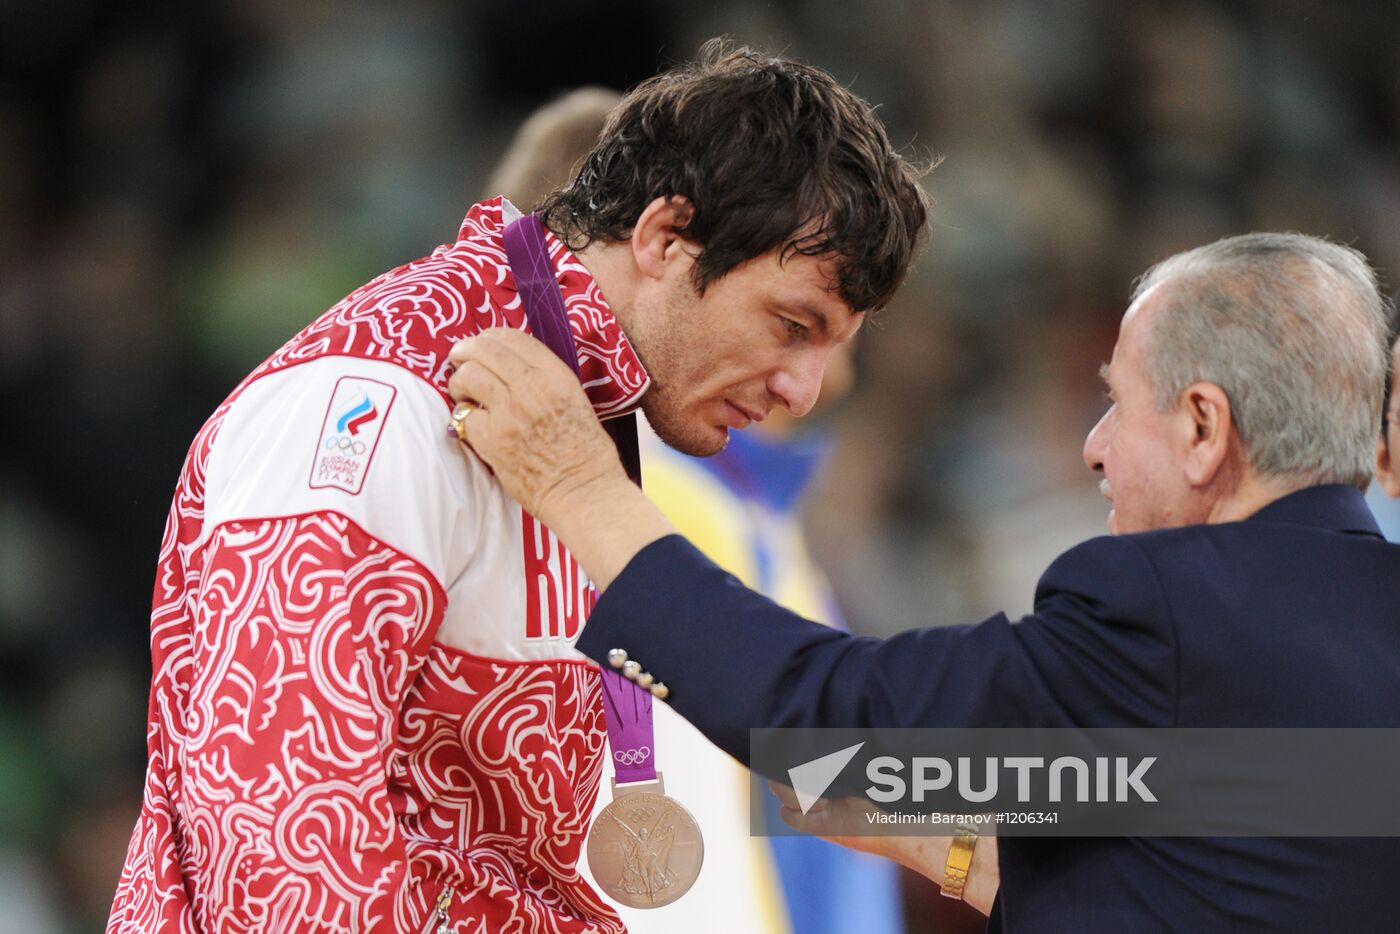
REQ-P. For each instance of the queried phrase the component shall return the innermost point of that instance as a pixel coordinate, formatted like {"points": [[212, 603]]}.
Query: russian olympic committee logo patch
{"points": [[350, 433]]}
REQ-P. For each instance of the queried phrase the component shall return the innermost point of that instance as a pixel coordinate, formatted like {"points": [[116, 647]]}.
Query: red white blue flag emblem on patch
{"points": [[358, 415], [350, 433]]}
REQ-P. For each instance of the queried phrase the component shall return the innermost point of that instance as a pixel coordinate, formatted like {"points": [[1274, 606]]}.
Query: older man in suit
{"points": [[1245, 585]]}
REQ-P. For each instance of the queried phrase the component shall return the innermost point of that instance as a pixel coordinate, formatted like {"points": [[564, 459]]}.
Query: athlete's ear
{"points": [[656, 240]]}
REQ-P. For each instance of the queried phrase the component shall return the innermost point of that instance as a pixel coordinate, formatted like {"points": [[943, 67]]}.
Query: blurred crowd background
{"points": [[184, 187]]}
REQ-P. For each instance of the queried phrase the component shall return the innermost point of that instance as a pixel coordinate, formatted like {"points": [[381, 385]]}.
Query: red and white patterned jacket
{"points": [[365, 690]]}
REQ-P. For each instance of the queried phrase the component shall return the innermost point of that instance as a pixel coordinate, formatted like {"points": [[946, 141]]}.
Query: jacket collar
{"points": [[1336, 506], [610, 370]]}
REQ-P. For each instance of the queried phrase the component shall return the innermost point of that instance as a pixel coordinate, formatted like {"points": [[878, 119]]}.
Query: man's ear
{"points": [[1387, 471], [655, 241], [1210, 428]]}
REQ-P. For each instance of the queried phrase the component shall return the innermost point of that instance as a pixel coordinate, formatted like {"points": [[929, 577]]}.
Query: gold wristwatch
{"points": [[959, 862]]}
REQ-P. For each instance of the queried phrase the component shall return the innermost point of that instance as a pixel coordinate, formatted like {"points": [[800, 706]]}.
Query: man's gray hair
{"points": [[1293, 329]]}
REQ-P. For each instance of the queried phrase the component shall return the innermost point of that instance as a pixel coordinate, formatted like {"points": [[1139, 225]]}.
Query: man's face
{"points": [[1388, 452], [759, 338], [1132, 445]]}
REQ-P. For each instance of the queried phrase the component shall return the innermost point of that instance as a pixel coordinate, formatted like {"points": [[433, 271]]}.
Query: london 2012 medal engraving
{"points": [[645, 849]]}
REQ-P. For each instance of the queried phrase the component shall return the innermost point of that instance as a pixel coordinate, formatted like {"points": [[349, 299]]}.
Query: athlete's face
{"points": [[760, 337]]}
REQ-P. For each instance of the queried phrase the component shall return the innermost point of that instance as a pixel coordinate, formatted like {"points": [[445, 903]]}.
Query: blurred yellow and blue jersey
{"points": [[740, 508], [1386, 511]]}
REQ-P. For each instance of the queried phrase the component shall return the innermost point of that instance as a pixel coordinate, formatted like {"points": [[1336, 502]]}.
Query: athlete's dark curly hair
{"points": [[770, 154]]}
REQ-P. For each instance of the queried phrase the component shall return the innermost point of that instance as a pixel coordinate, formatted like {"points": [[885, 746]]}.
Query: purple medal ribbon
{"points": [[539, 292], [631, 737], [626, 707]]}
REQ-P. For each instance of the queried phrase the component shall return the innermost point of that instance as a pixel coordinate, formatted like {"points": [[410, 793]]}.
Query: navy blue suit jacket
{"points": [[1290, 618]]}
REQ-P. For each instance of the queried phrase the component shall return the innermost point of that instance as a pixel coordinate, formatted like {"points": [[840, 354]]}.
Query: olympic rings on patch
{"points": [[632, 756], [345, 445]]}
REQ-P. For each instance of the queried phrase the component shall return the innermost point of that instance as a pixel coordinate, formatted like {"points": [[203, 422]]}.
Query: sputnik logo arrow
{"points": [[810, 780]]}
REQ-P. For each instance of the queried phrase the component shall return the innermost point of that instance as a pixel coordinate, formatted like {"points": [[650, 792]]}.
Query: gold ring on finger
{"points": [[458, 424]]}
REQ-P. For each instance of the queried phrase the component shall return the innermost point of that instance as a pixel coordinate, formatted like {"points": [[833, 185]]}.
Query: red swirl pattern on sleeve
{"points": [[290, 682]]}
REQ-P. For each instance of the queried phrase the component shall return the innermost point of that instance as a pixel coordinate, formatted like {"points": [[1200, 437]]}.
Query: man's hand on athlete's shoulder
{"points": [[534, 426], [531, 422]]}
